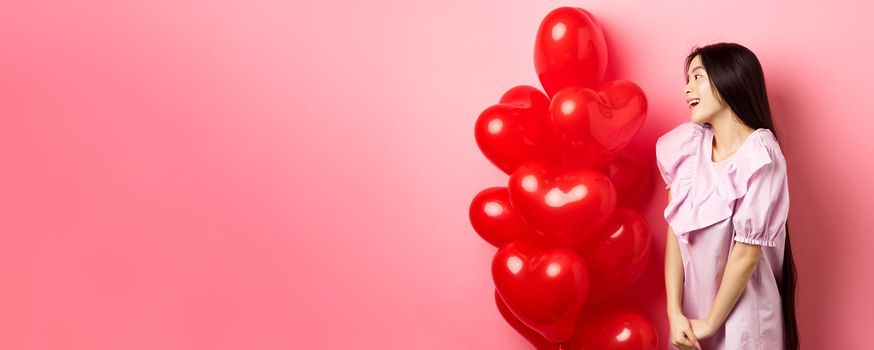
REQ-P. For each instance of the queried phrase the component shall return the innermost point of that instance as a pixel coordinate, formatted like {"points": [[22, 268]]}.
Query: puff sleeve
{"points": [[760, 214]]}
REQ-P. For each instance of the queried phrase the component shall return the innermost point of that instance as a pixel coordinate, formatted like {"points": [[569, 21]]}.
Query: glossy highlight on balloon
{"points": [[515, 130], [545, 289], [496, 221], [592, 127], [614, 326], [565, 205], [570, 50]]}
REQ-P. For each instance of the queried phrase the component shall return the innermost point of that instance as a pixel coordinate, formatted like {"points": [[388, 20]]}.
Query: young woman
{"points": [[729, 273]]}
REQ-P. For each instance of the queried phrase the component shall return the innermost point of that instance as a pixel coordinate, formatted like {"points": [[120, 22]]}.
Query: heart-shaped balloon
{"points": [[529, 334], [496, 221], [564, 205], [606, 326], [569, 50], [614, 326], [592, 127], [630, 175], [544, 289], [515, 130], [618, 254]]}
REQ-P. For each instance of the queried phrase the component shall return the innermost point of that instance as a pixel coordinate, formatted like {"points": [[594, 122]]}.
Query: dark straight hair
{"points": [[736, 74]]}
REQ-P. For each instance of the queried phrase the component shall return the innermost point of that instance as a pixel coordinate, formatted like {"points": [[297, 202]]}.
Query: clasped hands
{"points": [[685, 333]]}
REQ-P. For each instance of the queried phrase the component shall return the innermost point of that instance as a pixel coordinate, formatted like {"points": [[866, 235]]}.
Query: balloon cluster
{"points": [[567, 235]]}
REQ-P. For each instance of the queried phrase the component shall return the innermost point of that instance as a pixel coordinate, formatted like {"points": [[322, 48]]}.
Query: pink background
{"points": [[266, 175]]}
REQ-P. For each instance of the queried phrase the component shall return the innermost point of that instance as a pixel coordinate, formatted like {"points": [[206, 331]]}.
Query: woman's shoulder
{"points": [[765, 145], [762, 155]]}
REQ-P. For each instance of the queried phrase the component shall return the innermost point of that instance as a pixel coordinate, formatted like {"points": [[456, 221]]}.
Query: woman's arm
{"points": [[682, 334], [740, 266], [673, 272]]}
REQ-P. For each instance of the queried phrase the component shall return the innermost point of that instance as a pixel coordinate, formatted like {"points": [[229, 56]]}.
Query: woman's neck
{"points": [[728, 135]]}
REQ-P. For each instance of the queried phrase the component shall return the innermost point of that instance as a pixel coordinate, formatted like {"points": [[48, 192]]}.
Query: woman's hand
{"points": [[703, 329], [682, 334]]}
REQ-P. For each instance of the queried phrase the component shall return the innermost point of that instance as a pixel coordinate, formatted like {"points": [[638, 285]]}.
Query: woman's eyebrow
{"points": [[696, 67]]}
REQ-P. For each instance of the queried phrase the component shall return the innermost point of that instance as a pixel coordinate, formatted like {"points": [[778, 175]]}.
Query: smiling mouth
{"points": [[693, 103]]}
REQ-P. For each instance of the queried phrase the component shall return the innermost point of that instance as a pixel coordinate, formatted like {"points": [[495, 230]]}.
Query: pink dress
{"points": [[744, 198]]}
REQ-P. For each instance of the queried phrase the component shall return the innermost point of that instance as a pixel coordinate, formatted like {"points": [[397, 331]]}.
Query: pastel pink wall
{"points": [[274, 175]]}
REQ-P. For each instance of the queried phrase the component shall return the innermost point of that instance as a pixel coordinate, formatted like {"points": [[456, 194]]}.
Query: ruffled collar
{"points": [[702, 196]]}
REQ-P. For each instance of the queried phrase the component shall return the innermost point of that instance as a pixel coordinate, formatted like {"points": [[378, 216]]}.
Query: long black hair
{"points": [[735, 73]]}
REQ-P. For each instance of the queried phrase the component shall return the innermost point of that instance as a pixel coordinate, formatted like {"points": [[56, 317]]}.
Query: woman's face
{"points": [[700, 99]]}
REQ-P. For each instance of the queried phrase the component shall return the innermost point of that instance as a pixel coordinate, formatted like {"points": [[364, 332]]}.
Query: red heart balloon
{"points": [[570, 50], [618, 255], [566, 206], [544, 289], [611, 325], [614, 326], [592, 127], [531, 335], [496, 221], [515, 130], [630, 175]]}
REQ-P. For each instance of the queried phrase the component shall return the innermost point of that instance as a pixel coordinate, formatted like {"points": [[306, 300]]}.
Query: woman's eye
{"points": [[697, 75]]}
